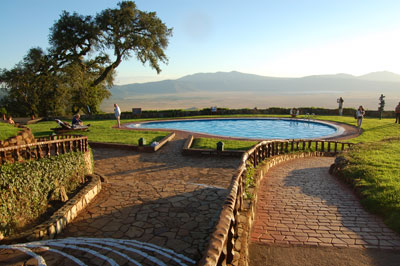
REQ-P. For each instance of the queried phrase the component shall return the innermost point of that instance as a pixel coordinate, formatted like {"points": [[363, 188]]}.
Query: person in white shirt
{"points": [[360, 115], [117, 113]]}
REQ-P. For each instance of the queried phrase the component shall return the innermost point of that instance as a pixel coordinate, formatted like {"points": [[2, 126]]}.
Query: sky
{"points": [[272, 38]]}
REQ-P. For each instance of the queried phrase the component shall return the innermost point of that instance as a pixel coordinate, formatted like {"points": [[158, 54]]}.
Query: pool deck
{"points": [[348, 130]]}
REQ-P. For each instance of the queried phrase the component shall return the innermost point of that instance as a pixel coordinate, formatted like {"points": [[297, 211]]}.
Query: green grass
{"points": [[374, 169], [7, 131], [210, 143], [373, 128], [102, 131]]}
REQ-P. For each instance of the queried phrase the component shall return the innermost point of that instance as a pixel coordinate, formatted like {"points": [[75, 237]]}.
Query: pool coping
{"points": [[343, 131]]}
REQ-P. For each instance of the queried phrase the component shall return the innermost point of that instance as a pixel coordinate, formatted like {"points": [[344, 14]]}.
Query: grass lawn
{"points": [[373, 128], [374, 169], [210, 143], [7, 131], [102, 131]]}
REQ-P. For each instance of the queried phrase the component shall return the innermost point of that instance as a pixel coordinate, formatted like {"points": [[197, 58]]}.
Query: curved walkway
{"points": [[300, 203], [161, 199]]}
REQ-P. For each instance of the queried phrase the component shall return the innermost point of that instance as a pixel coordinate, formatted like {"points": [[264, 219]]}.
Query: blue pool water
{"points": [[249, 128]]}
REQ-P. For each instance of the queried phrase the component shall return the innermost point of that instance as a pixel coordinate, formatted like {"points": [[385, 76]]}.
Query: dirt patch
{"points": [[307, 255]]}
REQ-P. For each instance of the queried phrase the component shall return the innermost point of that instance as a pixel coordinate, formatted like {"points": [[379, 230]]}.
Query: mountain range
{"points": [[237, 90]]}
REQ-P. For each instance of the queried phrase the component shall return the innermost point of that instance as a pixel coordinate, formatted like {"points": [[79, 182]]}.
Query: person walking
{"points": [[397, 111], [340, 102], [360, 115], [117, 113]]}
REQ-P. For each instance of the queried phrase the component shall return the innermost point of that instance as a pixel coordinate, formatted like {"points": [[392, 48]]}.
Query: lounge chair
{"points": [[66, 127]]}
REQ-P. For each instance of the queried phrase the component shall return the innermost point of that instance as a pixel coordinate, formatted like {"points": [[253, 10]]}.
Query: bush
{"points": [[26, 188]]}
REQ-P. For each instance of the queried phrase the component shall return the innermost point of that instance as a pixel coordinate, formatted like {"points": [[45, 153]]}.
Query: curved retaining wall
{"points": [[25, 136]]}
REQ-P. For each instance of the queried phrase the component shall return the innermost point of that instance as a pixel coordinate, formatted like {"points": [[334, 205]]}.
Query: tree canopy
{"points": [[78, 68]]}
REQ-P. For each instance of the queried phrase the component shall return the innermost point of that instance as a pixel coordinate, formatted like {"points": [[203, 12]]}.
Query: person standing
{"points": [[397, 111], [360, 115], [340, 102], [117, 113]]}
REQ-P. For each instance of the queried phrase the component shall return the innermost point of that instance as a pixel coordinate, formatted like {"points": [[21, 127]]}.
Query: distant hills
{"points": [[235, 89]]}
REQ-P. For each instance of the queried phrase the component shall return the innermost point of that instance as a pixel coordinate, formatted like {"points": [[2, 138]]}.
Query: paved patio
{"points": [[162, 199], [300, 203], [160, 208]]}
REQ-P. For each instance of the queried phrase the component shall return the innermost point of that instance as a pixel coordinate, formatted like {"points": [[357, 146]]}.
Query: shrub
{"points": [[250, 181], [26, 188]]}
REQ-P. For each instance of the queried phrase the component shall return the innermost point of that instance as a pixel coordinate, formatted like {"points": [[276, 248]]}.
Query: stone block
{"points": [[51, 231], [73, 212], [59, 226], [78, 206]]}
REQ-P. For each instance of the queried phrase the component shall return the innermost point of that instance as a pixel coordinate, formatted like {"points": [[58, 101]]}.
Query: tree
{"points": [[32, 89], [124, 31], [79, 67]]}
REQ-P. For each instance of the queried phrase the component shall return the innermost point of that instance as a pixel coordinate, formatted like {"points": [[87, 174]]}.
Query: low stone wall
{"points": [[59, 220], [246, 217], [25, 136]]}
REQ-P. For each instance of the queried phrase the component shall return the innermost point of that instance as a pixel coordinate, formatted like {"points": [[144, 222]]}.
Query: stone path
{"points": [[161, 199], [300, 203]]}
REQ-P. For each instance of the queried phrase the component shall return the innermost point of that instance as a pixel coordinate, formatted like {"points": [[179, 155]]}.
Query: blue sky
{"points": [[272, 38]]}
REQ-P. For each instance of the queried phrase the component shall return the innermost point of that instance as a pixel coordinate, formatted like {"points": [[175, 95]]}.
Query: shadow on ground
{"points": [[181, 223], [275, 255]]}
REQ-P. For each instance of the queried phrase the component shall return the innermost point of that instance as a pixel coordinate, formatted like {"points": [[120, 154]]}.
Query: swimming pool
{"points": [[257, 128]]}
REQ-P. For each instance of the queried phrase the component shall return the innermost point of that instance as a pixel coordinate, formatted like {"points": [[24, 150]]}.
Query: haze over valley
{"points": [[241, 90]]}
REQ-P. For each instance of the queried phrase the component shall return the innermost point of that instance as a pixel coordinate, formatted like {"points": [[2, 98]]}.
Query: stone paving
{"points": [[160, 198], [160, 209], [300, 203]]}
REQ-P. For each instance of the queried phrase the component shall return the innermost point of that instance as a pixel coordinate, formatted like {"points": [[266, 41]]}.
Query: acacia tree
{"points": [[83, 55], [99, 44]]}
